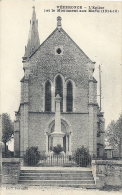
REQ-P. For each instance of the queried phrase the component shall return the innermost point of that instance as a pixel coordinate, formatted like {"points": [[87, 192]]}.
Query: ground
{"points": [[40, 190]]}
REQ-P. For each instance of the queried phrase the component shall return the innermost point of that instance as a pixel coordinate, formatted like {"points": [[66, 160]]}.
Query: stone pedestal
{"points": [[57, 138], [57, 134]]}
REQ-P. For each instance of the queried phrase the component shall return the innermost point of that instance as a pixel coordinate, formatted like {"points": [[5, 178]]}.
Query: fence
{"points": [[59, 160]]}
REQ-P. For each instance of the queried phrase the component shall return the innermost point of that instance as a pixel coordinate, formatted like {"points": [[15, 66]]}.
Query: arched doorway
{"points": [[66, 139]]}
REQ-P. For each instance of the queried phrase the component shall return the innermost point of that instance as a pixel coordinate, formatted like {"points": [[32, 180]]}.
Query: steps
{"points": [[67, 178]]}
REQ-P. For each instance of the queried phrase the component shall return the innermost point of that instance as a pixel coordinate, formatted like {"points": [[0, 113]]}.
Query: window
{"points": [[98, 153], [69, 97], [59, 90], [47, 96], [58, 51]]}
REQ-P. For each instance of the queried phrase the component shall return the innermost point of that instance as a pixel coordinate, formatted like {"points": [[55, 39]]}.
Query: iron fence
{"points": [[59, 160]]}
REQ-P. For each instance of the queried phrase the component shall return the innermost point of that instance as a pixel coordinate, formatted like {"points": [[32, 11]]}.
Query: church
{"points": [[58, 96]]}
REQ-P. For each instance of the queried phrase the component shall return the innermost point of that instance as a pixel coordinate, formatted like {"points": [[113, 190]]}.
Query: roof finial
{"points": [[59, 22], [33, 3]]}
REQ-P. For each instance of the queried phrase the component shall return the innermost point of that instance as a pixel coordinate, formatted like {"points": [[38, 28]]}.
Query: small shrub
{"points": [[57, 149], [8, 154], [32, 156], [82, 157], [43, 157]]}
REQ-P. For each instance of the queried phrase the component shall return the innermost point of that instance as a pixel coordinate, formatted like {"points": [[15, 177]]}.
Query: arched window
{"points": [[69, 97], [59, 90], [47, 96]]}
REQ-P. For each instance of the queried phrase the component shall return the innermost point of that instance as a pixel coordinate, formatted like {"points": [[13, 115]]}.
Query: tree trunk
{"points": [[5, 149]]}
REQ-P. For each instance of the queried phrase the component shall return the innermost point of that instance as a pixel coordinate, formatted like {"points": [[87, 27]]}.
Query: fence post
{"points": [[51, 160]]}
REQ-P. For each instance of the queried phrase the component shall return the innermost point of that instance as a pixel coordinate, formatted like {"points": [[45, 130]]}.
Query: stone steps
{"points": [[57, 174], [55, 171], [31, 177], [57, 182], [57, 178]]}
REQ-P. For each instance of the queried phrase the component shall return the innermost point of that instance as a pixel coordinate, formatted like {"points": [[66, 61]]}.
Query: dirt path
{"points": [[15, 190]]}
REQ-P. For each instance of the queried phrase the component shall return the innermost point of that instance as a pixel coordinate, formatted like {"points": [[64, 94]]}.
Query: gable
{"points": [[71, 62], [61, 38]]}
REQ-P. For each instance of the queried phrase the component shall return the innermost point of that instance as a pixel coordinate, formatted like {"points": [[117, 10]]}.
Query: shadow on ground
{"points": [[111, 188]]}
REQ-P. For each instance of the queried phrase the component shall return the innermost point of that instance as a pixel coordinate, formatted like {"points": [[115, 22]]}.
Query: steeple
{"points": [[33, 38]]}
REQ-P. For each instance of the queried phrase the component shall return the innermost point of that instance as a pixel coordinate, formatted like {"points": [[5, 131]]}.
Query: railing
{"points": [[59, 160]]}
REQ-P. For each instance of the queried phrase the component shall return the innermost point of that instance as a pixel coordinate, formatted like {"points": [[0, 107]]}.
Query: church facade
{"points": [[58, 96]]}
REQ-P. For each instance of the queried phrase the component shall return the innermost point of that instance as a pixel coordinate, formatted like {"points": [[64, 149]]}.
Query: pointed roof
{"points": [[60, 29], [89, 60], [33, 38]]}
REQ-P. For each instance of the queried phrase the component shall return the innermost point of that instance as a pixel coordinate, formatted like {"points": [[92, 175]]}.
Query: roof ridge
{"points": [[42, 43], [68, 37], [76, 45]]}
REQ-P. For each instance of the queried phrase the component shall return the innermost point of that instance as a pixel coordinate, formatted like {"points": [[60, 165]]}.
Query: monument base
{"points": [[57, 138]]}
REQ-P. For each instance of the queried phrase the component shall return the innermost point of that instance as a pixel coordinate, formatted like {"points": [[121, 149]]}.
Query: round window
{"points": [[58, 51]]}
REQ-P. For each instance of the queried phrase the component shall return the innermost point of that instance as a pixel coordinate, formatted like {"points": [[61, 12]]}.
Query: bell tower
{"points": [[33, 38]]}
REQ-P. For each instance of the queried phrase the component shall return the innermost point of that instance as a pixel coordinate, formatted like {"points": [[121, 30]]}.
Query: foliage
{"points": [[7, 128], [57, 149], [8, 154], [82, 156], [43, 157], [32, 156], [114, 135]]}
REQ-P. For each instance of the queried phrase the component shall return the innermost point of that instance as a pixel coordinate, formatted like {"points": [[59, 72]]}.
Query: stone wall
{"points": [[16, 138], [73, 65], [10, 170], [39, 125], [45, 64], [107, 172]]}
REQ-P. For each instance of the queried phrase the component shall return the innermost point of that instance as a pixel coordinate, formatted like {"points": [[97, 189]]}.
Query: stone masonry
{"points": [[33, 123]]}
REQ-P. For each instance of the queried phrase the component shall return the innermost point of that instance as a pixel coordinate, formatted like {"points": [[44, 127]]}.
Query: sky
{"points": [[97, 34]]}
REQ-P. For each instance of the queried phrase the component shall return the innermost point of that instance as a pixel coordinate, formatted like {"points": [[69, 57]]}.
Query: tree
{"points": [[57, 149], [82, 157], [114, 135], [7, 128], [32, 156]]}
